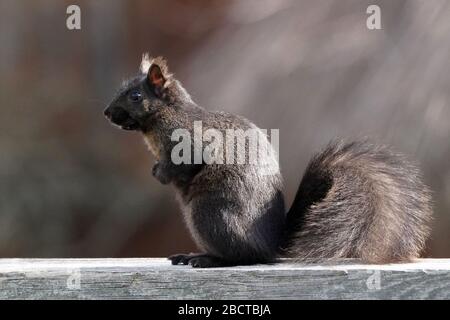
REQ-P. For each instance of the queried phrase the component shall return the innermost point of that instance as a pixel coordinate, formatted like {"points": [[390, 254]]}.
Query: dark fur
{"points": [[356, 199]]}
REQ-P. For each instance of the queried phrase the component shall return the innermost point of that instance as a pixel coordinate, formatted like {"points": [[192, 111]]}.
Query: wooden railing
{"points": [[157, 279]]}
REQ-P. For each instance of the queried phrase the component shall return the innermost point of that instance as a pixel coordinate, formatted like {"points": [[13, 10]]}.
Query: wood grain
{"points": [[157, 279]]}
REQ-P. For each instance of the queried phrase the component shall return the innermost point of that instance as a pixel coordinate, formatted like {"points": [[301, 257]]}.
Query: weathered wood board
{"points": [[157, 279]]}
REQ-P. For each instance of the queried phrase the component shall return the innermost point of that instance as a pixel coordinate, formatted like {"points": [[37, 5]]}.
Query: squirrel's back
{"points": [[359, 200]]}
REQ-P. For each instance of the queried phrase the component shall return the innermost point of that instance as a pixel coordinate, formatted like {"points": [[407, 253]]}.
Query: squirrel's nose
{"points": [[107, 112]]}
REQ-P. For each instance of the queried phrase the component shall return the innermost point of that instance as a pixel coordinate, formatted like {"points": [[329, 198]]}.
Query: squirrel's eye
{"points": [[135, 96]]}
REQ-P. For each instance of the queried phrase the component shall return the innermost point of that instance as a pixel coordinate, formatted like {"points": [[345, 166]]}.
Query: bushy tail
{"points": [[359, 200]]}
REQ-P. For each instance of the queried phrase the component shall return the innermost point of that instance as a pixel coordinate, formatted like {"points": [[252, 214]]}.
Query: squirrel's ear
{"points": [[156, 71], [156, 77]]}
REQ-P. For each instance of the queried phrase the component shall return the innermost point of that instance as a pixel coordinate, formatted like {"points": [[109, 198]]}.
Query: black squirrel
{"points": [[355, 200]]}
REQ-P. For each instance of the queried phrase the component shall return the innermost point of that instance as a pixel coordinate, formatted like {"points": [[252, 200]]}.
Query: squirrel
{"points": [[356, 199]]}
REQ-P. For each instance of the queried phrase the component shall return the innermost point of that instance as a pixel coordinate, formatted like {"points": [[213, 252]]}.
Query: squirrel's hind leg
{"points": [[198, 260]]}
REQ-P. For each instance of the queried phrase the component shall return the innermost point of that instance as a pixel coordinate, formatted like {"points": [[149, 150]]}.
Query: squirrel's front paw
{"points": [[158, 173]]}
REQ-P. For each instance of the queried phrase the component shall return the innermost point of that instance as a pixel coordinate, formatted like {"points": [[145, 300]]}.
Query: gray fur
{"points": [[374, 206], [355, 200]]}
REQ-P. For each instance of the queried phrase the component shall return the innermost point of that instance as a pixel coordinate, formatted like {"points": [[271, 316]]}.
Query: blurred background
{"points": [[71, 185]]}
